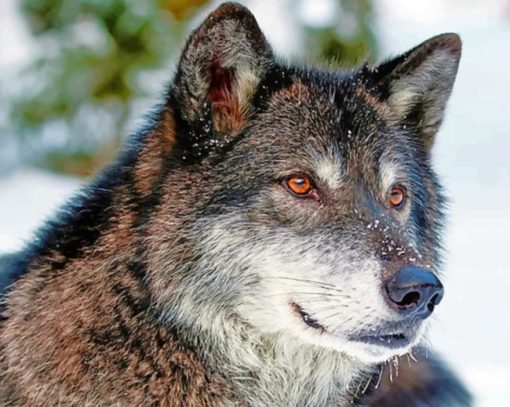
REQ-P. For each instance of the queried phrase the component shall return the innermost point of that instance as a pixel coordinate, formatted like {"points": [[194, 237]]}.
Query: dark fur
{"points": [[428, 381], [82, 317]]}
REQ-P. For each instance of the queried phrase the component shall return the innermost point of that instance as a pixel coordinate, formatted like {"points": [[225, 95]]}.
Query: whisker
{"points": [[337, 326], [303, 280], [321, 284], [396, 363], [329, 307], [413, 358], [381, 370], [366, 386], [291, 293], [328, 320]]}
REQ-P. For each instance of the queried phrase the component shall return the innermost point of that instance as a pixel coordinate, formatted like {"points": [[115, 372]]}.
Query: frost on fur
{"points": [[220, 69]]}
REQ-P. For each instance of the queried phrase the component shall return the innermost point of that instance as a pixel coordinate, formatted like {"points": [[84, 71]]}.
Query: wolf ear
{"points": [[417, 84], [222, 63]]}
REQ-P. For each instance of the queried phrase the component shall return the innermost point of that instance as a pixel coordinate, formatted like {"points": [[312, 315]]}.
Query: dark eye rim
{"points": [[313, 192], [404, 199]]}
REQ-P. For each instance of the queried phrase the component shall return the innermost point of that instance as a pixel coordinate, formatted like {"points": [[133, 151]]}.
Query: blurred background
{"points": [[77, 76]]}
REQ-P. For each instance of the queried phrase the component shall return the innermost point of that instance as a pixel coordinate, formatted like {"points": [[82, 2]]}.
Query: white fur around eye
{"points": [[388, 176], [329, 171]]}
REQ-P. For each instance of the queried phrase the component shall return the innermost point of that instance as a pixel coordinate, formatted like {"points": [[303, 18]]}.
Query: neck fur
{"points": [[273, 369]]}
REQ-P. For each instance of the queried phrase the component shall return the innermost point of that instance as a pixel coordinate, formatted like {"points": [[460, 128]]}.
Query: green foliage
{"points": [[93, 63], [349, 39], [93, 52]]}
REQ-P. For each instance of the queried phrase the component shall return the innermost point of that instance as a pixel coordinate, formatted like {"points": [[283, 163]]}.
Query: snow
{"points": [[472, 326], [27, 198], [14, 53]]}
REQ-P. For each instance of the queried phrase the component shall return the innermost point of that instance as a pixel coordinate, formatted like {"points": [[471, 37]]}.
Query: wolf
{"points": [[270, 237]]}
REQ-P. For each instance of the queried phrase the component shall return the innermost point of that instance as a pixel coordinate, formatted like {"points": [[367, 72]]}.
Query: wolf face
{"points": [[268, 238], [318, 213]]}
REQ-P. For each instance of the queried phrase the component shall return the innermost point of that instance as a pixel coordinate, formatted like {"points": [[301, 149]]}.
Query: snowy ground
{"points": [[472, 154], [26, 198]]}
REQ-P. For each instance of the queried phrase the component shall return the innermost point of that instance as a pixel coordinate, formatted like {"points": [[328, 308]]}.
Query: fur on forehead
{"points": [[408, 93], [324, 110]]}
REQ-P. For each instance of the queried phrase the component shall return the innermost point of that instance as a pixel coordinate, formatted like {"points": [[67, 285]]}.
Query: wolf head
{"points": [[303, 203]]}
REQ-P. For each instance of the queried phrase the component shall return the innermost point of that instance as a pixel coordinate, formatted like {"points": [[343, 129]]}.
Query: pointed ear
{"points": [[417, 84], [223, 62]]}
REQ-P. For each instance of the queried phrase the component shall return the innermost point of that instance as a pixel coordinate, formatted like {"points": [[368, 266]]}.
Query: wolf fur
{"points": [[187, 274]]}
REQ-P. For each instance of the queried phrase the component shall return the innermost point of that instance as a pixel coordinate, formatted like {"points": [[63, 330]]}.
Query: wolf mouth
{"points": [[391, 341], [307, 318]]}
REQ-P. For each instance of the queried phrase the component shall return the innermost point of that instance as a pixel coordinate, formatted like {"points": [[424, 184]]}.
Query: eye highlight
{"points": [[397, 196], [301, 186]]}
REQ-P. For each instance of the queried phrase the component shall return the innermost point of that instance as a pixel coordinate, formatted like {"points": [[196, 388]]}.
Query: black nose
{"points": [[415, 291]]}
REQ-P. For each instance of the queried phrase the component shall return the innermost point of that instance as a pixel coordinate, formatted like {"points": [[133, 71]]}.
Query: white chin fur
{"points": [[288, 323], [373, 354], [366, 353], [341, 291]]}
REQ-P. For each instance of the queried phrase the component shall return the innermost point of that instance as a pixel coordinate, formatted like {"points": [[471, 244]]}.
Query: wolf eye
{"points": [[300, 185], [397, 196]]}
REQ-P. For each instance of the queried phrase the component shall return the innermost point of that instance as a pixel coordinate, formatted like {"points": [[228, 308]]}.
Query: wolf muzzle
{"points": [[414, 292]]}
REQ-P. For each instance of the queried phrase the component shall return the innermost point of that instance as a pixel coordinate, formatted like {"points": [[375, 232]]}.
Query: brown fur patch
{"points": [[297, 92], [380, 107], [156, 149], [166, 238], [86, 336], [228, 116]]}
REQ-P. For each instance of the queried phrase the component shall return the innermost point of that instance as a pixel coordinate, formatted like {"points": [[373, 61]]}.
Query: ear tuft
{"points": [[416, 86], [220, 69], [221, 84]]}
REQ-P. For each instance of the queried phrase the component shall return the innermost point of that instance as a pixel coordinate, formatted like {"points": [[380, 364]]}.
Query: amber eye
{"points": [[300, 185], [397, 196]]}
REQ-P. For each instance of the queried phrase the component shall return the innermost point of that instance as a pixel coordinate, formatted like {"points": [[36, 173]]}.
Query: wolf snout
{"points": [[414, 291]]}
